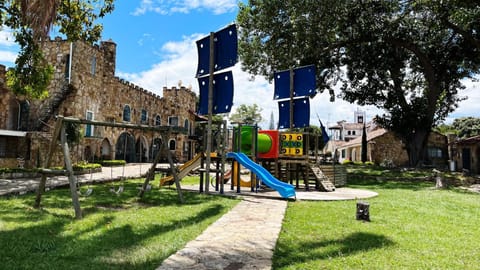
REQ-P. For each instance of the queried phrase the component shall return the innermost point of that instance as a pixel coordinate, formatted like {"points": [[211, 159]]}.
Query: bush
{"points": [[114, 162], [369, 163], [85, 166], [347, 162], [14, 170]]}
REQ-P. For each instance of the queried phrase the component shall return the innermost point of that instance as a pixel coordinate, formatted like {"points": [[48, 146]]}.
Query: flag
{"points": [[325, 137]]}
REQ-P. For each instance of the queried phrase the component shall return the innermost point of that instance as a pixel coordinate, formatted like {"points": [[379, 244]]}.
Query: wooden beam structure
{"points": [[59, 130]]}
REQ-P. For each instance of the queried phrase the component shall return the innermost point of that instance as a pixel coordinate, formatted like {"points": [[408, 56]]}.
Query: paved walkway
{"points": [[23, 185], [243, 238]]}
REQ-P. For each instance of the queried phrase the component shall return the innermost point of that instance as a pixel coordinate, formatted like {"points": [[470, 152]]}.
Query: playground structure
{"points": [[60, 133], [183, 170], [283, 161], [270, 155], [288, 156]]}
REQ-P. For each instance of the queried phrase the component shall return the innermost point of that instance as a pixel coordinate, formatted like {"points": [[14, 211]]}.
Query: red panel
{"points": [[273, 153]]}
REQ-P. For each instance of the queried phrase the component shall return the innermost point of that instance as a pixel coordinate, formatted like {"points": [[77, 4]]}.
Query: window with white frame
{"points": [[158, 120], [89, 128]]}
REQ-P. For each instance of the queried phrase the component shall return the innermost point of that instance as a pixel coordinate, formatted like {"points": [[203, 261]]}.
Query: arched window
{"points": [[158, 120], [126, 113], [144, 117], [172, 145]]}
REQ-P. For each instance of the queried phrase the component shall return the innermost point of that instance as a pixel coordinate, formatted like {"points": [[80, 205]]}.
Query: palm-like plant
{"points": [[39, 15]]}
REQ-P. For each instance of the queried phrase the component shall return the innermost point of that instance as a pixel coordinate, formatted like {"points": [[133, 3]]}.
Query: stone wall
{"points": [[388, 147], [98, 95]]}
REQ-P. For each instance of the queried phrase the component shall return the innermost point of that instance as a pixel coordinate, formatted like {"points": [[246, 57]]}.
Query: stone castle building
{"points": [[84, 86]]}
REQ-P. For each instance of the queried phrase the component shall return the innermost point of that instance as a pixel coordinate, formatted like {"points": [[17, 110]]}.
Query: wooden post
{"points": [[48, 161], [210, 110], [172, 167], [363, 211], [151, 173], [224, 154], [71, 177]]}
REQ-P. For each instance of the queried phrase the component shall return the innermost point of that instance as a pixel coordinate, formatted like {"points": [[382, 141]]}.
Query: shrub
{"points": [[347, 162], [114, 162], [14, 170], [85, 166]]}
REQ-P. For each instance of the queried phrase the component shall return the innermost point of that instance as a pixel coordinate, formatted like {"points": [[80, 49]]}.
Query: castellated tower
{"points": [[109, 49]]}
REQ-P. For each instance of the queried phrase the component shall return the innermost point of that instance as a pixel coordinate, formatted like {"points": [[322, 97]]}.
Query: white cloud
{"points": [[8, 47], [171, 6], [470, 106], [7, 57], [180, 65], [6, 38]]}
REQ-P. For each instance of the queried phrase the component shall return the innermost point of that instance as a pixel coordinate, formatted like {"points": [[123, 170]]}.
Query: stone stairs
{"points": [[322, 181], [51, 105]]}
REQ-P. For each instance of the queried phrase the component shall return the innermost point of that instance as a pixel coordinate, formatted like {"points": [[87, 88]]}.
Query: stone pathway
{"points": [[243, 238]]}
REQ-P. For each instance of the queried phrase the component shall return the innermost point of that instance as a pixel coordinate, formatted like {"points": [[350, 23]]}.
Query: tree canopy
{"points": [[247, 114], [31, 22], [467, 127], [405, 57]]}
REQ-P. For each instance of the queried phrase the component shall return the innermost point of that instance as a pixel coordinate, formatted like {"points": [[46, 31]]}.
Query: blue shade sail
{"points": [[226, 48], [222, 93], [304, 82], [301, 113]]}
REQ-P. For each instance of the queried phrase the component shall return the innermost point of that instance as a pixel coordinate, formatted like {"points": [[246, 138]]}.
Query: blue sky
{"points": [[156, 48]]}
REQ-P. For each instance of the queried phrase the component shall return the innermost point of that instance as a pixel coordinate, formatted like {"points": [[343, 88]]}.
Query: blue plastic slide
{"points": [[286, 190]]}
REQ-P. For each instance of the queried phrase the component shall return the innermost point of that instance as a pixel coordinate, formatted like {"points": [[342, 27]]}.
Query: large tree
{"points": [[407, 57]]}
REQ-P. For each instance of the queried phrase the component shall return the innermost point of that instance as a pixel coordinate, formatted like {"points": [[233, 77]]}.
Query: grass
{"points": [[412, 227], [117, 231]]}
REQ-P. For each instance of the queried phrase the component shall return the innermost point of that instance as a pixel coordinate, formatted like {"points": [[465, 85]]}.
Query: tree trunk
{"points": [[417, 147]]}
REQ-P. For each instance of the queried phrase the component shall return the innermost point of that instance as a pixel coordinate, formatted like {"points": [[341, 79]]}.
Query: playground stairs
{"points": [[323, 182]]}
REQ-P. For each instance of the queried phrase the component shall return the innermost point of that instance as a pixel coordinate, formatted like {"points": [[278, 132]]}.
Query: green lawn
{"points": [[117, 232], [412, 227]]}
